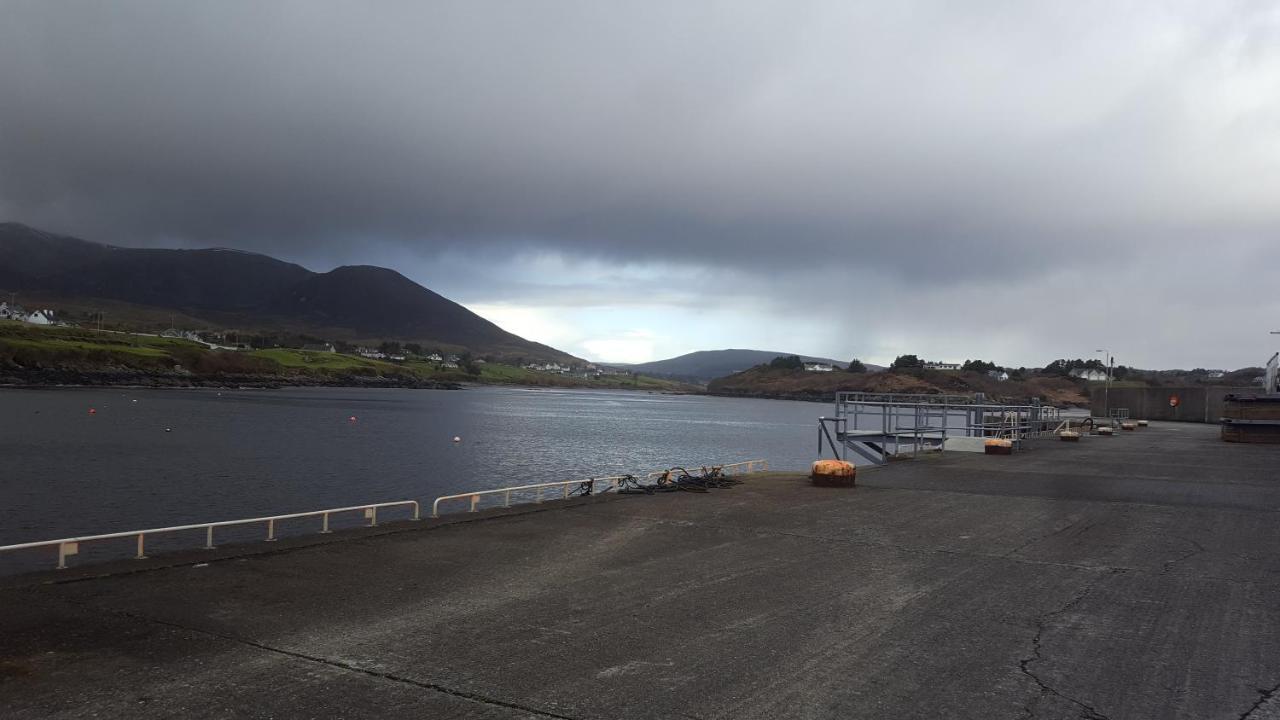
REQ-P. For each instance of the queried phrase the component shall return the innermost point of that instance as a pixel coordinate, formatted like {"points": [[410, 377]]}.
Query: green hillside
{"points": [[31, 354]]}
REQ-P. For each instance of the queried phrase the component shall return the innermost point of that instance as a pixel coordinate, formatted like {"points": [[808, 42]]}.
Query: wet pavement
{"points": [[1136, 576]]}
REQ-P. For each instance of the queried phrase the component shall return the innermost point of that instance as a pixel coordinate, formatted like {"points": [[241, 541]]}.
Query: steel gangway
{"points": [[875, 427]]}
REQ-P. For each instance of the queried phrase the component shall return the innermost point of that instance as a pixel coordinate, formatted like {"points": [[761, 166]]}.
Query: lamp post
{"points": [[1106, 392]]}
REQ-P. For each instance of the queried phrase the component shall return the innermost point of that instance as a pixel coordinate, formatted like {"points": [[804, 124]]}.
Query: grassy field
{"points": [[25, 347], [326, 361]]}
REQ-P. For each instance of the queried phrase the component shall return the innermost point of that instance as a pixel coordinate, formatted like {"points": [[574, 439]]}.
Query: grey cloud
{"points": [[955, 144]]}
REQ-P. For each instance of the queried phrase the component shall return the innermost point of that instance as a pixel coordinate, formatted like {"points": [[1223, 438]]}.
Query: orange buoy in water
{"points": [[833, 473]]}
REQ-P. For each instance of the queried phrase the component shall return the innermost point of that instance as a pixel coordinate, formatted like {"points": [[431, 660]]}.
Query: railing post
{"points": [[565, 488], [62, 556], [417, 510], [271, 530], [325, 526], [373, 516], [142, 555], [475, 501], [506, 499], [537, 498], [208, 538]]}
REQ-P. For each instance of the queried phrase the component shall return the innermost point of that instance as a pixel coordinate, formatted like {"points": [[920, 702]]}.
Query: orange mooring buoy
{"points": [[833, 473]]}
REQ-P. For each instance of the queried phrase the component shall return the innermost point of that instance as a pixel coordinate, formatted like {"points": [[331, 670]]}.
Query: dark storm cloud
{"points": [[909, 136], [966, 143]]}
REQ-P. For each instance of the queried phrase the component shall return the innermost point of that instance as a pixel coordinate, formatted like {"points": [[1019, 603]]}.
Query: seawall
{"points": [[1196, 403]]}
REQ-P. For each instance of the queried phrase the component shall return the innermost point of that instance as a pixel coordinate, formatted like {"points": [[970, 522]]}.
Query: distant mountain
{"points": [[706, 365], [232, 288]]}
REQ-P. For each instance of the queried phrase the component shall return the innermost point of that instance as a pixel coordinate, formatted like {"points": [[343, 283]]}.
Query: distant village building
{"points": [[818, 367], [17, 312], [1215, 374], [371, 353], [1089, 374], [182, 334], [9, 313], [1000, 375], [320, 347], [41, 317], [941, 366], [435, 357], [551, 367]]}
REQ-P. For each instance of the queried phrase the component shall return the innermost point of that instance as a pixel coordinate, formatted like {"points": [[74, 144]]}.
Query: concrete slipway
{"points": [[1128, 577]]}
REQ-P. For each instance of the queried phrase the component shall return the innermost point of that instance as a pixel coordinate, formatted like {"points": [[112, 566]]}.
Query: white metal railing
{"points": [[590, 485], [566, 487], [71, 546], [738, 468]]}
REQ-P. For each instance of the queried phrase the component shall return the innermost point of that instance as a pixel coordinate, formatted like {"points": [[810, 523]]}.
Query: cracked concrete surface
{"points": [[1128, 577], [1267, 707], [1087, 710]]}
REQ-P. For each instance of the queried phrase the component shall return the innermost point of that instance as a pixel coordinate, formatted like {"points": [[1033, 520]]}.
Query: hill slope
{"points": [[706, 365], [230, 288], [800, 385]]}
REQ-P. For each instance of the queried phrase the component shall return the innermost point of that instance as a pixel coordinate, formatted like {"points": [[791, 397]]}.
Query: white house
{"points": [[1089, 374], [941, 366], [998, 375], [435, 357], [550, 367], [818, 367], [191, 335], [41, 317], [8, 313]]}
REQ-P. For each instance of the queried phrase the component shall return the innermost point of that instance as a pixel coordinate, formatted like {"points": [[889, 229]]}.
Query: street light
{"points": [[1106, 391]]}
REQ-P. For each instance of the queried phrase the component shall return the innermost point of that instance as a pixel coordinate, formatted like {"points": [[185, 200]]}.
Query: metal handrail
{"points": [[747, 466], [589, 484], [565, 485], [71, 546]]}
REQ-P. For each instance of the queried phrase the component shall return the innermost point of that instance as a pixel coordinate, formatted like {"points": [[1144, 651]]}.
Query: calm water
{"points": [[233, 454]]}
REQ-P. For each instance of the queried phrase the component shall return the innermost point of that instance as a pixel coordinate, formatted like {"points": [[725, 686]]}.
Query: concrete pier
{"points": [[1136, 576]]}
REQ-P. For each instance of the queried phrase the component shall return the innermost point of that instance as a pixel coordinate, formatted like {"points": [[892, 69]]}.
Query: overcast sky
{"points": [[1014, 181]]}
